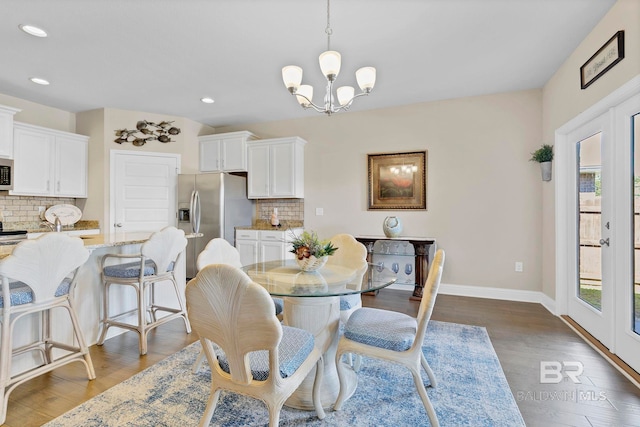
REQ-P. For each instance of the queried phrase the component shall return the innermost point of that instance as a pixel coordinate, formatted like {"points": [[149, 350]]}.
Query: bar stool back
{"points": [[154, 265], [37, 277]]}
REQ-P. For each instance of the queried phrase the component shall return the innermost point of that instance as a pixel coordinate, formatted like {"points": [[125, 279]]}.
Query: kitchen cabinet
{"points": [[49, 162], [264, 245], [224, 152], [275, 168], [6, 131]]}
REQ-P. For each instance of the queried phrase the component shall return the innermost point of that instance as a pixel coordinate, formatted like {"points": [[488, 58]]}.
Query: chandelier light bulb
{"points": [[366, 77], [292, 77], [306, 90], [330, 64], [345, 94]]}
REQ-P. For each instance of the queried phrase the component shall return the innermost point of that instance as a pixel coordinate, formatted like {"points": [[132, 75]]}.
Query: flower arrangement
{"points": [[308, 244]]}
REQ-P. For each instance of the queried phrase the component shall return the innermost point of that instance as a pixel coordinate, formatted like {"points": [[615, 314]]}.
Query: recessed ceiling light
{"points": [[34, 31], [207, 100], [39, 81]]}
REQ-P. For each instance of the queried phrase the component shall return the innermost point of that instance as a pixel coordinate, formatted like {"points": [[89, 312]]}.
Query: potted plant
{"points": [[544, 156], [311, 252]]}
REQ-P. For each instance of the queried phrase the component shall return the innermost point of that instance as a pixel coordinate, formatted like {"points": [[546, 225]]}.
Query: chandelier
{"points": [[330, 66]]}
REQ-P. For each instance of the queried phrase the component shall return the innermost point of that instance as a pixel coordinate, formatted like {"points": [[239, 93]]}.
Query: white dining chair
{"points": [[219, 251], [395, 337], [39, 276], [350, 254], [254, 354], [154, 265]]}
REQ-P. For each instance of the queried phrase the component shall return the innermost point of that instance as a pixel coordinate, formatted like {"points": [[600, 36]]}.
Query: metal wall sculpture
{"points": [[147, 131]]}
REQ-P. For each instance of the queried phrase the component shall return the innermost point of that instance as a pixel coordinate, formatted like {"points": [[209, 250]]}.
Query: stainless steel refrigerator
{"points": [[212, 204]]}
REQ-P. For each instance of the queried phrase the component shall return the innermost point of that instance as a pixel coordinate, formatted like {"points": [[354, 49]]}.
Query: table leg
{"points": [[321, 317], [422, 268]]}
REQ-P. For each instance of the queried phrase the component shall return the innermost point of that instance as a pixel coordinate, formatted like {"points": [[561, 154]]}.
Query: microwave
{"points": [[6, 174]]}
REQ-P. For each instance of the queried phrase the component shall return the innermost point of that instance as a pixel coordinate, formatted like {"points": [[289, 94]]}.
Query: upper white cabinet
{"points": [[49, 162], [276, 168], [6, 131], [224, 152]]}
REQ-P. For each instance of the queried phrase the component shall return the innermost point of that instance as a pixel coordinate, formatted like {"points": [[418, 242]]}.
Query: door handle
{"points": [[118, 224], [604, 242]]}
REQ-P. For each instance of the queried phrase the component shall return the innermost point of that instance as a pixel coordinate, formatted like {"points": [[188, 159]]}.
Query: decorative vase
{"points": [[545, 169], [312, 263], [392, 226]]}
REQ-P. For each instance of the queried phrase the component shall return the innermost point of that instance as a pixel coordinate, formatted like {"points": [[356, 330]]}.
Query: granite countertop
{"points": [[266, 225], [39, 227], [97, 241]]}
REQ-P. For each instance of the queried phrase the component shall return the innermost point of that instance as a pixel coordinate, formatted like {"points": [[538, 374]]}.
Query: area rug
{"points": [[472, 391]]}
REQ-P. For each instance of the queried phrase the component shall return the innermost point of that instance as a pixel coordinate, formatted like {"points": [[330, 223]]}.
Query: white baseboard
{"points": [[491, 293]]}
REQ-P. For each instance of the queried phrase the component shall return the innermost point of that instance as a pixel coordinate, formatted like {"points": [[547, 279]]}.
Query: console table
{"points": [[423, 246]]}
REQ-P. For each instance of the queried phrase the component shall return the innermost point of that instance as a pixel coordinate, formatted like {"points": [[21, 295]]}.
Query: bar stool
{"points": [[38, 276], [152, 266]]}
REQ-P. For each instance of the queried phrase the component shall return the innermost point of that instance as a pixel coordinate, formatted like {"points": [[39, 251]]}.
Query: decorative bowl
{"points": [[312, 263]]}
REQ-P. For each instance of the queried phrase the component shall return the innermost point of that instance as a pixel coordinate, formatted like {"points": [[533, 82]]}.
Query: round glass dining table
{"points": [[312, 302]]}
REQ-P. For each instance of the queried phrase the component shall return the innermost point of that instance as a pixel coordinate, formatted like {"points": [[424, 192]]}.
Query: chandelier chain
{"points": [[328, 30]]}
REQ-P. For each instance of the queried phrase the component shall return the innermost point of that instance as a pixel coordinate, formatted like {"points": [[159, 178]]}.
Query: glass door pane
{"points": [[589, 192]]}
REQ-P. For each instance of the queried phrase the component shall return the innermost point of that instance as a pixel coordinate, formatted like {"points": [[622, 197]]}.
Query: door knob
{"points": [[604, 242]]}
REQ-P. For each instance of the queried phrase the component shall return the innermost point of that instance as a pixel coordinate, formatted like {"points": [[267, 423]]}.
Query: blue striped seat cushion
{"points": [[21, 293], [347, 302], [294, 348], [381, 328], [279, 303], [132, 269]]}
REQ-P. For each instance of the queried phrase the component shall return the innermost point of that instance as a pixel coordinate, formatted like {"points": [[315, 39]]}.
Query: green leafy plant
{"points": [[542, 154], [308, 244]]}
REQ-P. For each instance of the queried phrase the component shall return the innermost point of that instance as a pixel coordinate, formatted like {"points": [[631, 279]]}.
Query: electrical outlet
{"points": [[519, 266], [319, 211]]}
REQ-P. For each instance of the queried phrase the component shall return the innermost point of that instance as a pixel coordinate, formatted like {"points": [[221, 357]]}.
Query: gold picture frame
{"points": [[398, 180]]}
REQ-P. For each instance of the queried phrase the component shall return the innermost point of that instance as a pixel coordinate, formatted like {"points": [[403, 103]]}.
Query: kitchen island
{"points": [[88, 294]]}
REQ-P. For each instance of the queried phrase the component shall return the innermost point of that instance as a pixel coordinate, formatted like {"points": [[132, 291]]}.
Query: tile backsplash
{"points": [[288, 209], [25, 208]]}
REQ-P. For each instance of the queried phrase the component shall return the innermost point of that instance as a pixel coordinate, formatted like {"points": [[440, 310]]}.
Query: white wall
{"points": [[483, 201]]}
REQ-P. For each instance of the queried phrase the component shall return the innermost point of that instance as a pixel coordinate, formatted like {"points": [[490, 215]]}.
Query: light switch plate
{"points": [[319, 211]]}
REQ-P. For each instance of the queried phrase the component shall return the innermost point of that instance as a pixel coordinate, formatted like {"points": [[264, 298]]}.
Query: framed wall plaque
{"points": [[603, 60], [398, 180]]}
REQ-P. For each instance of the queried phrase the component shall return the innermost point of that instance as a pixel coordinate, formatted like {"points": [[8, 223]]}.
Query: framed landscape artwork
{"points": [[398, 181]]}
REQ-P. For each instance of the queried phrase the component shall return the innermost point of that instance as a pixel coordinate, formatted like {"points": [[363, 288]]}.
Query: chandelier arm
{"points": [[311, 104], [346, 106]]}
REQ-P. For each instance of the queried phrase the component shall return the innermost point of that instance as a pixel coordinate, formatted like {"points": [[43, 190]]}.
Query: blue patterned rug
{"points": [[472, 391]]}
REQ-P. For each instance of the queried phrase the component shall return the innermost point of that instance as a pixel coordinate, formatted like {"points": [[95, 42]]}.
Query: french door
{"points": [[598, 222]]}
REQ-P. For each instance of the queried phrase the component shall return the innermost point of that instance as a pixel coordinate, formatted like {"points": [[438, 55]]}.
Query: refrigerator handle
{"points": [[194, 214]]}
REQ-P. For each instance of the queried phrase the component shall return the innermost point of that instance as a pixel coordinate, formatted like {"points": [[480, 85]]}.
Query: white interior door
{"points": [[143, 190]]}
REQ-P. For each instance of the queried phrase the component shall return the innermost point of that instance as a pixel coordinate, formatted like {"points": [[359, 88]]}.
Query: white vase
{"points": [[392, 226], [545, 169], [312, 263]]}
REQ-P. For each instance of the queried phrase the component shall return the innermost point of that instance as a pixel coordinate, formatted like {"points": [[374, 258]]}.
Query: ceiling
{"points": [[162, 56]]}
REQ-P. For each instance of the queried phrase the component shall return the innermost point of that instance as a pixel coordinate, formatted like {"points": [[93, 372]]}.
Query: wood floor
{"points": [[523, 335]]}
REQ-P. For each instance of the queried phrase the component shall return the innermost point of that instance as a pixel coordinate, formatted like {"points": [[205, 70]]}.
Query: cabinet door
{"points": [[32, 162], [210, 156], [248, 250], [271, 251], [282, 163], [234, 154], [70, 167], [6, 132], [258, 171]]}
